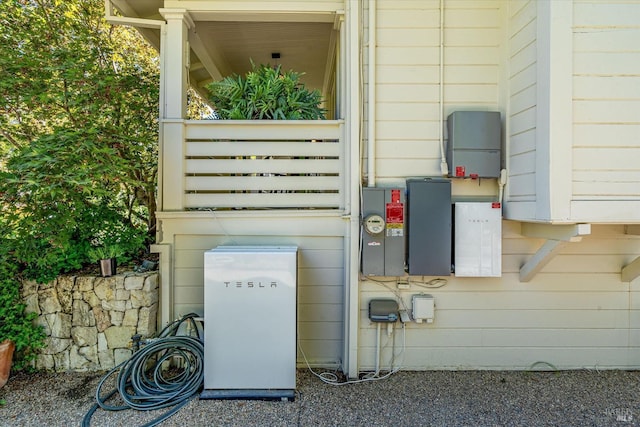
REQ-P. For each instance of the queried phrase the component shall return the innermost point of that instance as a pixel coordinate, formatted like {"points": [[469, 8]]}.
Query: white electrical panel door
{"points": [[250, 317], [478, 240]]}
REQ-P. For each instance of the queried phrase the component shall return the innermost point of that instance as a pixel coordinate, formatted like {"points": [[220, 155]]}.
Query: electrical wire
{"points": [[332, 379], [431, 284], [145, 382], [396, 292]]}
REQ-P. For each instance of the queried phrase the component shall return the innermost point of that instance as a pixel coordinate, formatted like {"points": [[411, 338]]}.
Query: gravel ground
{"points": [[426, 398]]}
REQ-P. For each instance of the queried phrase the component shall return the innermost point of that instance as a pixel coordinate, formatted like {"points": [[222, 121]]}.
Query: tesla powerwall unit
{"points": [[478, 240], [250, 295]]}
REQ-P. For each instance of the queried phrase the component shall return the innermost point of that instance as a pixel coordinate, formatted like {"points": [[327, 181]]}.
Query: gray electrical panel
{"points": [[473, 148], [383, 235], [429, 226]]}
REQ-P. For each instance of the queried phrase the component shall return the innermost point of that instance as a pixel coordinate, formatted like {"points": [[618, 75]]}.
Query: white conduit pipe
{"points": [[377, 350], [444, 168], [371, 101]]}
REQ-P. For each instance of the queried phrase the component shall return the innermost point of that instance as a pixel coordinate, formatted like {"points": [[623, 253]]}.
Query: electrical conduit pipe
{"points": [[371, 99]]}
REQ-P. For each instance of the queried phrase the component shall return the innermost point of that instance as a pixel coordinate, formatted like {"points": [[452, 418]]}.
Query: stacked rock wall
{"points": [[89, 321]]}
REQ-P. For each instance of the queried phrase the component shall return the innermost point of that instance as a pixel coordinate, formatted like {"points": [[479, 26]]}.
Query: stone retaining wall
{"points": [[89, 321]]}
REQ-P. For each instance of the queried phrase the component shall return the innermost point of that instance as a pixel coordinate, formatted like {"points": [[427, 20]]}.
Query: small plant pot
{"points": [[107, 267], [7, 348]]}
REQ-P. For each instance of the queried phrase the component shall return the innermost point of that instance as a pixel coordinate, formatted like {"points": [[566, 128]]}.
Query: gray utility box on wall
{"points": [[383, 235], [429, 226], [473, 148]]}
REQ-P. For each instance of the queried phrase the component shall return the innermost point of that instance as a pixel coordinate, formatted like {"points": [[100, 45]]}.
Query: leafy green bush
{"points": [[265, 93], [58, 203], [78, 146], [15, 324]]}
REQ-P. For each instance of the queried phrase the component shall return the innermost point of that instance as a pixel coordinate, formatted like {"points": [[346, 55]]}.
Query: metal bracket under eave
{"points": [[557, 236], [632, 270]]}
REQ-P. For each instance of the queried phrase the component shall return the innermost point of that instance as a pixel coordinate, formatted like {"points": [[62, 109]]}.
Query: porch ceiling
{"points": [[303, 47], [220, 47]]}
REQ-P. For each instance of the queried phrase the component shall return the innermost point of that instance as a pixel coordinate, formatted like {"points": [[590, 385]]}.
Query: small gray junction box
{"points": [[383, 310]]}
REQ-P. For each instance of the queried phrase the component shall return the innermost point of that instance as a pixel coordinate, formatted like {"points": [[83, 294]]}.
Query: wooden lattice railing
{"points": [[264, 165]]}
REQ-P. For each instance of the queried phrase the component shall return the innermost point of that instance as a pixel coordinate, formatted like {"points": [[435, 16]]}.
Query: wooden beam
{"points": [[209, 56], [557, 236], [632, 229], [541, 258], [563, 232], [631, 271]]}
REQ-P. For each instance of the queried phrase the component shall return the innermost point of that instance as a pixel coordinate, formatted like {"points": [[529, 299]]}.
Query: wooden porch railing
{"points": [[264, 165]]}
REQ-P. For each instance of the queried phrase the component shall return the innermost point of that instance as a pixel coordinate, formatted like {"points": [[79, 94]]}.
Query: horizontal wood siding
{"points": [[407, 77], [606, 101], [576, 313], [320, 271], [522, 58]]}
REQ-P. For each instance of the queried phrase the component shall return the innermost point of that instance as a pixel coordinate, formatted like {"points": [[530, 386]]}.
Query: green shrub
{"points": [[15, 323], [265, 93], [78, 146]]}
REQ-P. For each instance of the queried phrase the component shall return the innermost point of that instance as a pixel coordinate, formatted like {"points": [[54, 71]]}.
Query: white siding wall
{"points": [[320, 268], [576, 313], [522, 58], [572, 148], [606, 99], [407, 77]]}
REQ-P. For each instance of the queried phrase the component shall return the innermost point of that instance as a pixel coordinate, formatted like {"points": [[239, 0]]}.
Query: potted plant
{"points": [[265, 93], [106, 256], [20, 337], [7, 347]]}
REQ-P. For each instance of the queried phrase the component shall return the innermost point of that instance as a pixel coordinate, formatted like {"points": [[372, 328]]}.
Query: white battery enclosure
{"points": [[250, 314], [478, 239], [423, 308]]}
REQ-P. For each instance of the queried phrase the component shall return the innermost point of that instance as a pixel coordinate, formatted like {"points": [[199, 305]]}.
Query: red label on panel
{"points": [[395, 196], [395, 213], [495, 205], [460, 171]]}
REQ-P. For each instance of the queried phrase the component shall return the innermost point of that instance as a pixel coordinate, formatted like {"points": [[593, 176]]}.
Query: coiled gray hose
{"points": [[145, 383]]}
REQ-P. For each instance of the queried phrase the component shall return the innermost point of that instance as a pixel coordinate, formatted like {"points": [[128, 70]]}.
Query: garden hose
{"points": [[145, 382]]}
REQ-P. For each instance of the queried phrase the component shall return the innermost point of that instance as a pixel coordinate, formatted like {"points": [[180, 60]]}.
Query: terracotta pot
{"points": [[6, 358]]}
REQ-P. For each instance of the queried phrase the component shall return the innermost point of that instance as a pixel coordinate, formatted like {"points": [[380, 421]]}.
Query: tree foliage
{"points": [[79, 115], [265, 93], [78, 138]]}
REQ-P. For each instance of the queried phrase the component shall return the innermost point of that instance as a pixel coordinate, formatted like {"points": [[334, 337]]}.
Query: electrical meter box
{"points": [[473, 148], [383, 235], [429, 226], [478, 240]]}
